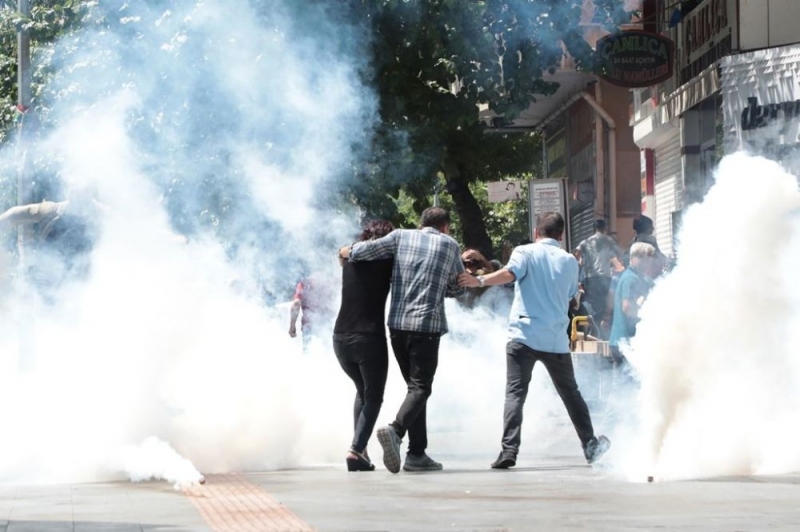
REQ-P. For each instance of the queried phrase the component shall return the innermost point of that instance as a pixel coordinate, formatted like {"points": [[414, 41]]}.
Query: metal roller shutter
{"points": [[668, 189], [581, 224]]}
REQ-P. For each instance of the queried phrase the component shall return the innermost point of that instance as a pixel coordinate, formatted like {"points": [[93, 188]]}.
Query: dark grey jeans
{"points": [[417, 356], [520, 360], [365, 359]]}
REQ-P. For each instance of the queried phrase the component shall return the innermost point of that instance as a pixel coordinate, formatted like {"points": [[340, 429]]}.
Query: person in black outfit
{"points": [[359, 340]]}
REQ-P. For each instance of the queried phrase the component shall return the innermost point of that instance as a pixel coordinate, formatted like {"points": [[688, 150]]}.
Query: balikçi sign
{"points": [[636, 58]]}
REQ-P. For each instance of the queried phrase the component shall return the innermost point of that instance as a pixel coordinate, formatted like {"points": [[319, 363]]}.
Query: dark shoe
{"points": [[358, 462], [504, 461], [596, 448], [390, 441], [421, 463]]}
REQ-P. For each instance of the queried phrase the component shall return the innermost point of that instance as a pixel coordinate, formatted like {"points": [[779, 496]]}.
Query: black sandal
{"points": [[358, 462]]}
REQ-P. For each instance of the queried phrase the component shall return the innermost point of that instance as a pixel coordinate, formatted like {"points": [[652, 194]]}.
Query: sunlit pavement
{"points": [[551, 493]]}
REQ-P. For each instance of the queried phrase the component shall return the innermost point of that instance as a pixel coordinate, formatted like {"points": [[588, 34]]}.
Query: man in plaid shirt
{"points": [[426, 266]]}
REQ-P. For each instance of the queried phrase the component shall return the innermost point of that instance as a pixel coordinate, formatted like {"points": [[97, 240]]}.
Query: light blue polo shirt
{"points": [[547, 278]]}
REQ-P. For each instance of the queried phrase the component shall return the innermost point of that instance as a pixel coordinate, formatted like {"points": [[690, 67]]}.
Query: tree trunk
{"points": [[473, 228]]}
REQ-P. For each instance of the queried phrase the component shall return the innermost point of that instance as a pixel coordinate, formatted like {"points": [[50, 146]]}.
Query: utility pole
{"points": [[27, 131], [27, 122]]}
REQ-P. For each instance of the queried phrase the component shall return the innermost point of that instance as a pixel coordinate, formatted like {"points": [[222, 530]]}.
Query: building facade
{"points": [[734, 86], [588, 141]]}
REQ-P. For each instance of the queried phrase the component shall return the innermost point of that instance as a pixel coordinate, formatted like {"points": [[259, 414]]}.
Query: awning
{"points": [[648, 132]]}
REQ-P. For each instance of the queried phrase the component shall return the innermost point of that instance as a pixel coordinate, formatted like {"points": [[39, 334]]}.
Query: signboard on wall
{"points": [[549, 195], [705, 27], [761, 102], [707, 35], [636, 58], [500, 191]]}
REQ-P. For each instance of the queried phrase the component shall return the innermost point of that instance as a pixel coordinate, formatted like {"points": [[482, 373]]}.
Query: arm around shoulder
{"points": [[381, 248]]}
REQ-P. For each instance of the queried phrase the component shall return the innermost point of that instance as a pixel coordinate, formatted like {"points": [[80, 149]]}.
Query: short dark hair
{"points": [[435, 217], [550, 225], [642, 223], [599, 225], [376, 229]]}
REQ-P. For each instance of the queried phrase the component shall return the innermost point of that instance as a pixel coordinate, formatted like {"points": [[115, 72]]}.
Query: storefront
{"points": [[680, 119], [761, 103]]}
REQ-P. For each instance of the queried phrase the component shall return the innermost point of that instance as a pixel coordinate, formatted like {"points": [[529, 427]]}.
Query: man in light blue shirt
{"points": [[546, 279]]}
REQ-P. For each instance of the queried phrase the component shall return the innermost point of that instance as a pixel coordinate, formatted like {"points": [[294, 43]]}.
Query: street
{"points": [[543, 493]]}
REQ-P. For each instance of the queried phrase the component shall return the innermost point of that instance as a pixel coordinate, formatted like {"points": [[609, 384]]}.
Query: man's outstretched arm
{"points": [[26, 214], [501, 276]]}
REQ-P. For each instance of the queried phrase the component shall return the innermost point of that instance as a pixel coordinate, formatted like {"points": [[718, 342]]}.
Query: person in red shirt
{"points": [[314, 298]]}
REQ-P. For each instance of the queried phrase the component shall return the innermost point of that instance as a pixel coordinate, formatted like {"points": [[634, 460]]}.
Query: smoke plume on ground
{"points": [[714, 350]]}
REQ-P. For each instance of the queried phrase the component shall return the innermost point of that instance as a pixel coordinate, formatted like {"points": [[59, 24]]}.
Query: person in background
{"points": [[313, 297], [427, 262], [630, 293], [359, 340], [546, 280], [644, 228], [595, 255], [474, 264]]}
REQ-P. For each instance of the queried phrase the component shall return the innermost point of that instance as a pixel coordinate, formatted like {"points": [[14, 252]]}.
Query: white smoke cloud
{"points": [[719, 377], [166, 337], [164, 361], [155, 459]]}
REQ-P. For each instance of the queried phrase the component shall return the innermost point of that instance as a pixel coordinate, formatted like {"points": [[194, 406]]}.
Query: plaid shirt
{"points": [[426, 268]]}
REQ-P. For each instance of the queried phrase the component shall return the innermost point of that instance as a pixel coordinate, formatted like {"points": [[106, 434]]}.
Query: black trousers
{"points": [[417, 355], [365, 359], [597, 295], [520, 360]]}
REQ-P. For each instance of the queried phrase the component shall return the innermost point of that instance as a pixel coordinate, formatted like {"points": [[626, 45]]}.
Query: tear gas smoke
{"points": [[719, 375], [230, 127], [223, 125], [155, 459]]}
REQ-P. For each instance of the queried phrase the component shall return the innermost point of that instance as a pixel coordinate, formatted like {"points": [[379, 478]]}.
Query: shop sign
{"points": [[706, 37], [756, 116], [705, 27], [636, 58]]}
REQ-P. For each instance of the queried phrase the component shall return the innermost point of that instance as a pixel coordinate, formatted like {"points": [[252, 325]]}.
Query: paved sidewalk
{"points": [[557, 494], [118, 507]]}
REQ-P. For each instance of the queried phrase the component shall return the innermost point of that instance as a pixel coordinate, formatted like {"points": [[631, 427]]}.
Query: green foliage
{"points": [[505, 222], [49, 20], [434, 62]]}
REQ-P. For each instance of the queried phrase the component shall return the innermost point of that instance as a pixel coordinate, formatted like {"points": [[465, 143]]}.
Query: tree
{"points": [[49, 20], [435, 61]]}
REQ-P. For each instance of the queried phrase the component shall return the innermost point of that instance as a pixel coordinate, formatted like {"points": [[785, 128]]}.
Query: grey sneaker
{"points": [[421, 463], [390, 441], [596, 448], [504, 461]]}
